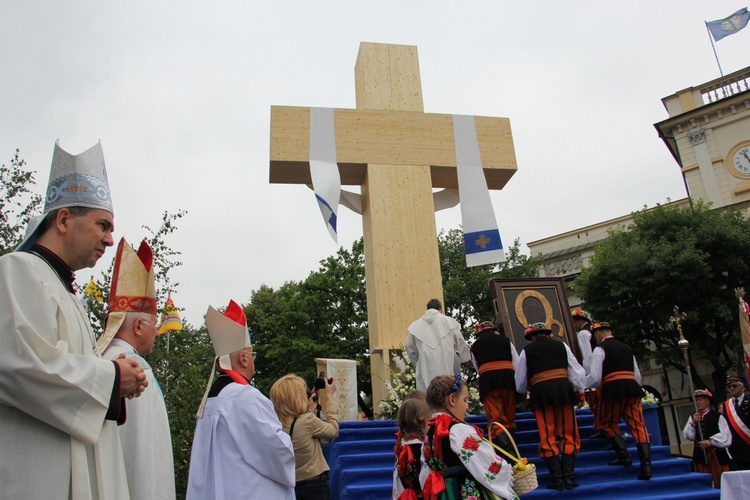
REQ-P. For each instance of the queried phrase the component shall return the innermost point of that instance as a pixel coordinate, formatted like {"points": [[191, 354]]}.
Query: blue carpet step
{"points": [[655, 489], [361, 462], [352, 476]]}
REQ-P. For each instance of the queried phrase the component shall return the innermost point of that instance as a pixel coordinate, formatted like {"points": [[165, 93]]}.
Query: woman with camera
{"points": [[290, 400]]}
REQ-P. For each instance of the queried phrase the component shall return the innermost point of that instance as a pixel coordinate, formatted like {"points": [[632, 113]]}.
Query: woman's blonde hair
{"points": [[289, 397]]}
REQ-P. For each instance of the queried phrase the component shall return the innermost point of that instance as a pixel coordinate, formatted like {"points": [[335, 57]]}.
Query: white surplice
{"points": [[145, 437], [239, 449], [54, 392], [432, 344]]}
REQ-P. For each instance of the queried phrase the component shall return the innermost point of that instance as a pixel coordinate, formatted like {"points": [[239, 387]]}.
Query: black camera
{"points": [[320, 382]]}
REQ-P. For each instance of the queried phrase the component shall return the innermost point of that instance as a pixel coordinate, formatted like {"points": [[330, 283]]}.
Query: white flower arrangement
{"points": [[648, 400], [404, 382]]}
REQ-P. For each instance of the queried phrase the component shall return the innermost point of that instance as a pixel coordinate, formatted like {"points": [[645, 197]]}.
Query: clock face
{"points": [[741, 160]]}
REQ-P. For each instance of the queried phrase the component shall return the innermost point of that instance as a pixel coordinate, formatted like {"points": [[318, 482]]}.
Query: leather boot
{"points": [[644, 453], [599, 434], [623, 456], [555, 472], [568, 466]]}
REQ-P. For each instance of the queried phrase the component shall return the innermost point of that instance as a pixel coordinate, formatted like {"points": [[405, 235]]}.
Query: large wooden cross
{"points": [[397, 153]]}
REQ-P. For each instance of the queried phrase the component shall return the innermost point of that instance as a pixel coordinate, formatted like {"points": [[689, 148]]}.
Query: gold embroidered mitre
{"points": [[132, 290]]}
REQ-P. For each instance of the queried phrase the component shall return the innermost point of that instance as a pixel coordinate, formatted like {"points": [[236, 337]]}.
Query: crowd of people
{"points": [[556, 383], [91, 416]]}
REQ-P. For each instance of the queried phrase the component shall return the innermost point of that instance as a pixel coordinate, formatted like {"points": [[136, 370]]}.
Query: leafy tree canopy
{"points": [[18, 202], [324, 316], [691, 257]]}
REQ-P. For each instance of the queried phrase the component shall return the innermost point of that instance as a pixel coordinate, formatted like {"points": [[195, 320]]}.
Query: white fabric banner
{"points": [[324, 170], [482, 241], [345, 370]]}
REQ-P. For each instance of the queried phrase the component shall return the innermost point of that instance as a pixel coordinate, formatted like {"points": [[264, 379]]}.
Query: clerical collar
{"points": [[221, 382], [66, 274]]}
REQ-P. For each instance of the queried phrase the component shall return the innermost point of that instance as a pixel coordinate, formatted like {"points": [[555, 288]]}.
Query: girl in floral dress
{"points": [[460, 465], [413, 416]]}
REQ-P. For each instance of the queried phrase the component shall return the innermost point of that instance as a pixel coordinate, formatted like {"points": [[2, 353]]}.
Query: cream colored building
{"points": [[708, 134]]}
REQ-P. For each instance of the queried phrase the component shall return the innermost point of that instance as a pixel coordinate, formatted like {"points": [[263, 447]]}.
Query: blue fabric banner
{"points": [[729, 25]]}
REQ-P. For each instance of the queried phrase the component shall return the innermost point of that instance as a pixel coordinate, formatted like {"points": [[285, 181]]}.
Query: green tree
{"points": [[18, 202], [324, 316], [689, 257], [182, 364]]}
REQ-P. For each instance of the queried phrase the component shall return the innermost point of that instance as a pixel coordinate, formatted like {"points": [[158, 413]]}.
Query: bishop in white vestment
{"points": [[239, 449], [145, 438], [59, 400], [54, 392], [131, 331]]}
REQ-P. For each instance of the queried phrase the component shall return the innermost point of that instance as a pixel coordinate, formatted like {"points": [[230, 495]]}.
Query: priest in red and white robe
{"points": [[239, 450]]}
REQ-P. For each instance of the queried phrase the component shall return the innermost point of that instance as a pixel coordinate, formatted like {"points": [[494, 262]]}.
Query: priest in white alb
{"points": [[239, 449], [132, 330], [435, 345], [60, 402]]}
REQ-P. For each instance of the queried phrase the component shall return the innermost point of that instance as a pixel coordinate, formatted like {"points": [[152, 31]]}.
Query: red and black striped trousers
{"points": [[592, 398], [610, 412], [557, 424], [714, 467], [500, 406]]}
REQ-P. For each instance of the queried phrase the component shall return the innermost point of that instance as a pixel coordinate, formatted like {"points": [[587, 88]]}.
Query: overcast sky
{"points": [[179, 92]]}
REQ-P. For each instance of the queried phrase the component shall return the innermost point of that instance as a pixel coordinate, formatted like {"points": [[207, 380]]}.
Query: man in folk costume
{"points": [[586, 344], [736, 410], [432, 344], [239, 448], [548, 368], [615, 370], [59, 400], [711, 437], [132, 330], [495, 359]]}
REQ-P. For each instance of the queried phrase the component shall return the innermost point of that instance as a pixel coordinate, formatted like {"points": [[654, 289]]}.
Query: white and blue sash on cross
{"points": [[481, 236], [324, 170]]}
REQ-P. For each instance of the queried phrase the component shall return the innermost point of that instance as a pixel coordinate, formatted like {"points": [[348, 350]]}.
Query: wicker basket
{"points": [[524, 480]]}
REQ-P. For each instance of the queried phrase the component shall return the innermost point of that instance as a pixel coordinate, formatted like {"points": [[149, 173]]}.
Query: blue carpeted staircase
{"points": [[361, 461]]}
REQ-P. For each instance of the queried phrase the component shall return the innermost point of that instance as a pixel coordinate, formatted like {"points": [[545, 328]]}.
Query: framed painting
{"points": [[521, 301]]}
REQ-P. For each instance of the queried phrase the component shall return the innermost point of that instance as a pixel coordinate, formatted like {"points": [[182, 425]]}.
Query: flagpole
{"points": [[166, 391], [710, 37], [742, 360]]}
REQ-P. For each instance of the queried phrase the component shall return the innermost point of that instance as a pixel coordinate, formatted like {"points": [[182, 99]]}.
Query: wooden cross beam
{"points": [[397, 153]]}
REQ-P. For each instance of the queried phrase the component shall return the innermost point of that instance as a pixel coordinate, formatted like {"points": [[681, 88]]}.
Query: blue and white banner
{"points": [[481, 235], [729, 25], [324, 170]]}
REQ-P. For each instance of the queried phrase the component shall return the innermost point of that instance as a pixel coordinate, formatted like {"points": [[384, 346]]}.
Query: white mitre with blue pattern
{"points": [[74, 181]]}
